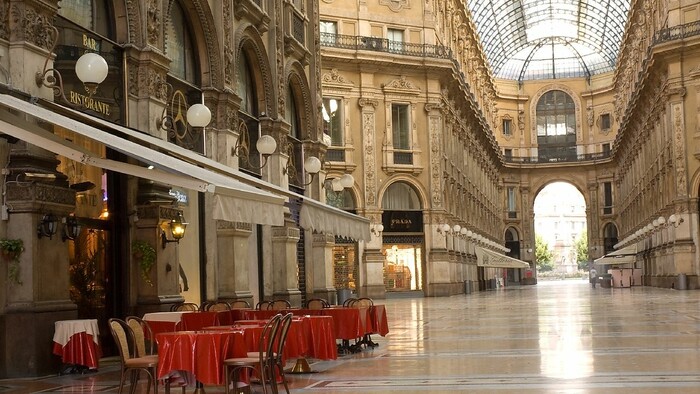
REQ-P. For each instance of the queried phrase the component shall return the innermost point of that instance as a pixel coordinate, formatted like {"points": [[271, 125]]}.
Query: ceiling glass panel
{"points": [[543, 39]]}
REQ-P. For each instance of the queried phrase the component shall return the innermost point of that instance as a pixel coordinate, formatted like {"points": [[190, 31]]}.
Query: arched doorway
{"points": [[403, 238], [513, 243], [560, 225]]}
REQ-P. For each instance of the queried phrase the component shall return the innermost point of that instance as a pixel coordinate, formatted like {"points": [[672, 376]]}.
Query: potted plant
{"points": [[11, 250], [145, 254]]}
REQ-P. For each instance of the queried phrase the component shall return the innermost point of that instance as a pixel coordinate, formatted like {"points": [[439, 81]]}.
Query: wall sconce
{"points": [[177, 229], [91, 69], [339, 184], [71, 228], [47, 226], [182, 116], [443, 229], [456, 229], [266, 146], [312, 165], [529, 250], [463, 232], [377, 229], [674, 220]]}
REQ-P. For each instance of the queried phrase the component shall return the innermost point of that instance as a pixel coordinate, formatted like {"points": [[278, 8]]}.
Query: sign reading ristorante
{"points": [[74, 41]]}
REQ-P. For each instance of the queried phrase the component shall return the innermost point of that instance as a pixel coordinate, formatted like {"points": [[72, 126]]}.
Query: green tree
{"points": [[581, 247], [543, 255]]}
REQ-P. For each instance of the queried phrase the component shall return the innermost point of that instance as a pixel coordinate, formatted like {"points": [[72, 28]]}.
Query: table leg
{"points": [[199, 388], [301, 366]]}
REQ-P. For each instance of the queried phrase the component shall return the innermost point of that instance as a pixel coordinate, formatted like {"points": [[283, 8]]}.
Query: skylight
{"points": [[549, 39]]}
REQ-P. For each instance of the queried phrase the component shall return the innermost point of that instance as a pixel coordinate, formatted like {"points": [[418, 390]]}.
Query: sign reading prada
{"points": [[106, 103], [402, 221]]}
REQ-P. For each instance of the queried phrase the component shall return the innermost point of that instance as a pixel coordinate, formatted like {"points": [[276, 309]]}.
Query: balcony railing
{"points": [[384, 45], [335, 154], [565, 158], [403, 158], [677, 32]]}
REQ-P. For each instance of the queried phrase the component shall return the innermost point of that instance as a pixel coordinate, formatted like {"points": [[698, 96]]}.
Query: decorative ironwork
{"points": [[298, 29], [403, 158], [677, 32], [384, 45], [558, 158]]}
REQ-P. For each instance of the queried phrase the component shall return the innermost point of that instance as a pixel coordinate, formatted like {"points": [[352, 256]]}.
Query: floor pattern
{"points": [[554, 337]]}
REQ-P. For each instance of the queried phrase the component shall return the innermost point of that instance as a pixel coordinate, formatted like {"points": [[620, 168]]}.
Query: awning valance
{"points": [[489, 258], [626, 255], [326, 219], [314, 214], [233, 200]]}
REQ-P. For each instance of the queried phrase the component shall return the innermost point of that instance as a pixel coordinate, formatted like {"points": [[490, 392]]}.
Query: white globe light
{"points": [[464, 231], [347, 181], [445, 227], [266, 145], [661, 220], [380, 227], [469, 233], [91, 68], [456, 228], [198, 115], [312, 165], [336, 186]]}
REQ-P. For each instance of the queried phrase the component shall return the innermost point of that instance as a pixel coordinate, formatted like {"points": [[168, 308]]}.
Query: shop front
{"points": [[403, 250]]}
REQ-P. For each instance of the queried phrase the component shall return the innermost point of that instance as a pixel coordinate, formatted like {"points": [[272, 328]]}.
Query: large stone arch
{"points": [[248, 40], [539, 182], [533, 109]]}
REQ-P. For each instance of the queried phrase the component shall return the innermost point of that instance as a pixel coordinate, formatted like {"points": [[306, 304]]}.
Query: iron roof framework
{"points": [[543, 39]]}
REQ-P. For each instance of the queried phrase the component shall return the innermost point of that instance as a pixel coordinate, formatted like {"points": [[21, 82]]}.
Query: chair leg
{"points": [[284, 378], [122, 380], [134, 379]]}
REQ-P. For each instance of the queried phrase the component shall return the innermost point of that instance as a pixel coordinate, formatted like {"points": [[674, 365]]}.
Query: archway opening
{"points": [[561, 239]]}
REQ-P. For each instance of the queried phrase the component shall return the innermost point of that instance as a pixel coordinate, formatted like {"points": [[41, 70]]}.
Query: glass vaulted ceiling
{"points": [[543, 39]]}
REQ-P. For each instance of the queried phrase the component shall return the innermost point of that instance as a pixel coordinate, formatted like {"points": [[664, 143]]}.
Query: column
{"points": [[322, 271], [284, 266], [234, 261]]}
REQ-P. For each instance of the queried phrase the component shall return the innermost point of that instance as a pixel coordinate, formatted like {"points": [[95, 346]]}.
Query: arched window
{"points": [[291, 114], [90, 14], [342, 200], [180, 45], [556, 126], [294, 148], [400, 196], [246, 87], [513, 242]]}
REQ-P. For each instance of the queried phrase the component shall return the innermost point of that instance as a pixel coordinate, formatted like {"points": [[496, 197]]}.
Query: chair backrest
{"points": [[282, 331], [317, 303], [143, 335], [218, 306], [267, 337], [239, 304], [123, 337], [184, 307], [262, 305], [363, 302], [349, 302], [279, 305]]}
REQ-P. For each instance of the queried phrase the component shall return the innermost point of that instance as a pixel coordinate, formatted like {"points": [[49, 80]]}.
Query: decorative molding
{"points": [[679, 150], [435, 124], [4, 20], [335, 80], [401, 85], [395, 5], [368, 126], [229, 50], [153, 23], [368, 104], [31, 26]]}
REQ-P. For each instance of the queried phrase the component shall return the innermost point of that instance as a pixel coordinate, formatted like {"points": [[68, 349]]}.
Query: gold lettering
{"points": [[89, 43], [89, 103]]}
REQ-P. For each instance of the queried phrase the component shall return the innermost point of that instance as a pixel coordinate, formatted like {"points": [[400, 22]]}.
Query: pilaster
{"points": [[322, 272], [234, 260], [285, 282]]}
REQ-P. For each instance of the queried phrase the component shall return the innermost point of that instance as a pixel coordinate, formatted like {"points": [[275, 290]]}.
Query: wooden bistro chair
{"points": [[239, 304], [130, 360], [277, 361], [145, 348], [260, 361], [279, 305], [218, 306], [262, 305], [184, 307], [317, 303]]}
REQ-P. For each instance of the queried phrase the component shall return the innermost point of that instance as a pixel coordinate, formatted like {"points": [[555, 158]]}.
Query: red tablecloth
{"points": [[81, 349], [200, 352], [377, 315], [194, 321], [164, 321], [350, 323], [77, 342]]}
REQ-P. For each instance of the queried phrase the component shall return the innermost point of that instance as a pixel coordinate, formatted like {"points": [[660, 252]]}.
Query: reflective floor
{"points": [[555, 337]]}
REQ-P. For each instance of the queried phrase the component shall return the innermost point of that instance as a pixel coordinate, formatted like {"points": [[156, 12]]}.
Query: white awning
{"points": [[234, 201], [626, 255], [326, 219], [491, 259], [314, 214]]}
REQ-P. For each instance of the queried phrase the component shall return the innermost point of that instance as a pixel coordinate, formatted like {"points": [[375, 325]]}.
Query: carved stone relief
{"points": [[368, 124], [395, 5], [29, 25], [679, 147]]}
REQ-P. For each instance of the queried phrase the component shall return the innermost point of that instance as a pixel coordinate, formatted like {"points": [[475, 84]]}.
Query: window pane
{"points": [[332, 120], [78, 11], [179, 47], [400, 129]]}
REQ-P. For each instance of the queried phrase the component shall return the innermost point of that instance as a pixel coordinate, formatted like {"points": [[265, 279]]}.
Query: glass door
{"points": [[403, 267]]}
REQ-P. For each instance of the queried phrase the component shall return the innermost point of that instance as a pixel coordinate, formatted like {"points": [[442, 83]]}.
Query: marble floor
{"points": [[555, 337]]}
